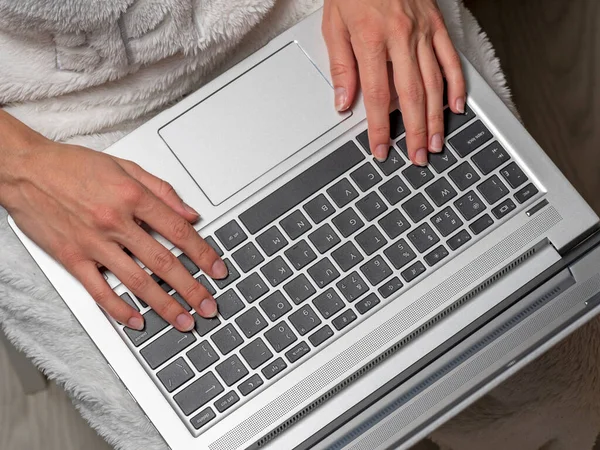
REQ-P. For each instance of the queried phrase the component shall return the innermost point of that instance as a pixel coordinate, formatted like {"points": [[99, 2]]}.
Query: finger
{"points": [[434, 94], [449, 60]]}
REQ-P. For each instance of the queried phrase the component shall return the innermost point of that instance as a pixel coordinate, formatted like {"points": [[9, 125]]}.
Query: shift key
{"points": [[198, 393]]}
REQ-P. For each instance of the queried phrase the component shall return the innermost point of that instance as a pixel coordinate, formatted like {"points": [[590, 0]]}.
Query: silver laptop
{"points": [[366, 302]]}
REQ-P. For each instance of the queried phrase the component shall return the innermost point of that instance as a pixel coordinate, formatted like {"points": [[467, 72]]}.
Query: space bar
{"points": [[300, 188]]}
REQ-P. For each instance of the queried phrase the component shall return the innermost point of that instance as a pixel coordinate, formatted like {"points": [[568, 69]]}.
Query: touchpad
{"points": [[254, 123]]}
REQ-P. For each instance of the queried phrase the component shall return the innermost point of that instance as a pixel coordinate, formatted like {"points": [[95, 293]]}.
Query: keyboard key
{"points": [[363, 139], [453, 122], [253, 287], [276, 271], [297, 352], [203, 356], [227, 401], [229, 304], [390, 287], [328, 303], [396, 124], [248, 257], [202, 418], [232, 370], [197, 394], [323, 272], [231, 235], [232, 275], [204, 282], [459, 239], [376, 270], [490, 158], [344, 319], [252, 383], [393, 162], [413, 271], [436, 255], [481, 224], [271, 241], [127, 299], [295, 225], [417, 176], [504, 208], [492, 189], [514, 175], [274, 368], [394, 224], [347, 256], [371, 240], [469, 205], [300, 255], [342, 192], [441, 192], [446, 221], [211, 241], [367, 303], [204, 326], [464, 176], [321, 335], [299, 289], [153, 324], [175, 375], [442, 161], [304, 320], [417, 207], [400, 254], [162, 283], [227, 339], [275, 306], [366, 177], [402, 146], [394, 190], [280, 336], [319, 209], [471, 138], [189, 265], [251, 322], [352, 286], [371, 206], [324, 238], [423, 237], [256, 353], [166, 346], [348, 222], [526, 193]]}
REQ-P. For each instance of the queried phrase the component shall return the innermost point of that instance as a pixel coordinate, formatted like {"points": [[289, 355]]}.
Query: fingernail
{"points": [[219, 269], [208, 308], [460, 105], [436, 143], [189, 209], [136, 323], [340, 98], [381, 152], [185, 322], [421, 157]]}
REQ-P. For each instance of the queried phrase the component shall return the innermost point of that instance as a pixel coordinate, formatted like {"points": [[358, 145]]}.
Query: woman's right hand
{"points": [[83, 207]]}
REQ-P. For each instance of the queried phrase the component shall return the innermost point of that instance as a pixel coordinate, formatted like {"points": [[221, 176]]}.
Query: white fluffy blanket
{"points": [[66, 85]]}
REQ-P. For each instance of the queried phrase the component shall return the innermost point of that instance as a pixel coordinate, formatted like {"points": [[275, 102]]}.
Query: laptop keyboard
{"points": [[314, 257]]}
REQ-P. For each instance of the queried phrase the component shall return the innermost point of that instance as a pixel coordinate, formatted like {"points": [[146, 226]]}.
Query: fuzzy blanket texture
{"points": [[89, 72]]}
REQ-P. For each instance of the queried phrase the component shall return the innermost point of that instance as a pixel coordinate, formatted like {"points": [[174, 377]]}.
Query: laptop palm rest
{"points": [[253, 123]]}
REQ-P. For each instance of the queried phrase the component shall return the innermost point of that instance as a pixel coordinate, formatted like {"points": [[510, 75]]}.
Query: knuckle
{"points": [[401, 26], [69, 256], [180, 230], [377, 95], [193, 292], [418, 131], [453, 61], [100, 295], [168, 308], [131, 192], [163, 261], [165, 188], [436, 20], [338, 68], [434, 81], [436, 117], [380, 130], [413, 92], [107, 218], [370, 35], [137, 281]]}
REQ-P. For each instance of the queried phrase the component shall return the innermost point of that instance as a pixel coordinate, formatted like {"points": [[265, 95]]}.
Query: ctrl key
{"points": [[201, 419]]}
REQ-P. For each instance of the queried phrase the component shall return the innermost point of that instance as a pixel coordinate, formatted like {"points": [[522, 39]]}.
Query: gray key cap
{"points": [[469, 205], [490, 158], [319, 209], [394, 224], [367, 303], [231, 235], [400, 254], [423, 237], [175, 375], [323, 272], [417, 176], [344, 319], [371, 240], [232, 370], [276, 271], [162, 283], [227, 401], [526, 193], [203, 356], [300, 255], [197, 394], [446, 221], [248, 257], [514, 175], [413, 271], [321, 335], [129, 300], [453, 122], [232, 275], [275, 306], [393, 162], [252, 287], [371, 206], [324, 238], [204, 282], [256, 353], [227, 339], [492, 189], [189, 265], [376, 270], [464, 176], [352, 286], [211, 241], [153, 324], [299, 289], [394, 190], [297, 352], [229, 304], [436, 255], [366, 176], [459, 239], [295, 225], [390, 287], [442, 161], [274, 368], [417, 208], [280, 336], [441, 192], [304, 320], [271, 241], [396, 129], [251, 322], [166, 346], [481, 224], [205, 326], [328, 303], [202, 418], [347, 256], [348, 222], [504, 208], [251, 384], [342, 193], [471, 138]]}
